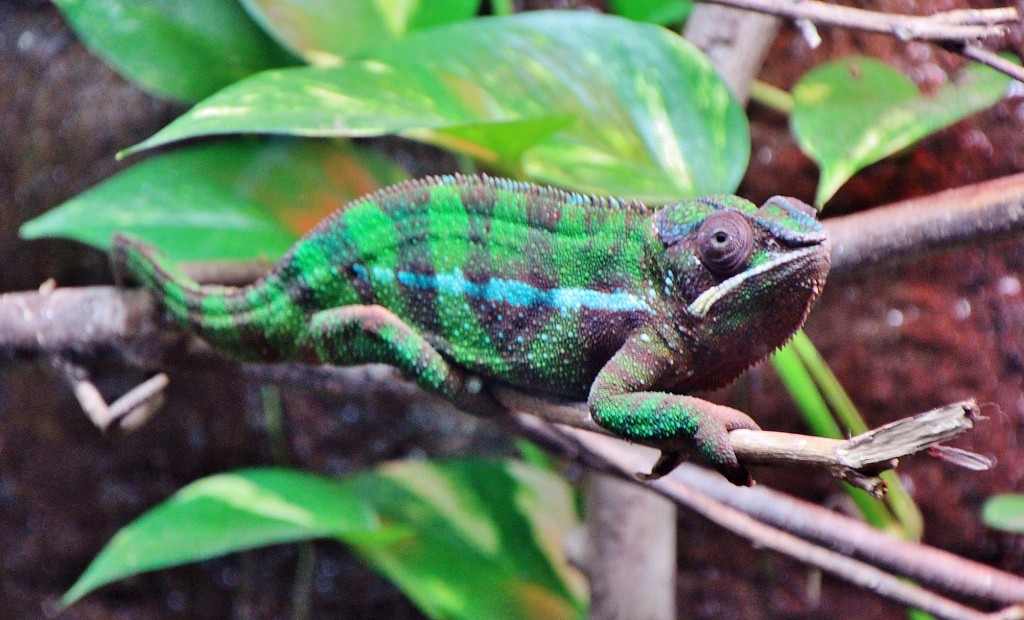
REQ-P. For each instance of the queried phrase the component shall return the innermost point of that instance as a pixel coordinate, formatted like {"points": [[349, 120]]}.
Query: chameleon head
{"points": [[741, 278]]}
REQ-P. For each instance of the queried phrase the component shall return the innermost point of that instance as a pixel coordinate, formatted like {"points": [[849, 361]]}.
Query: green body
{"points": [[453, 277]]}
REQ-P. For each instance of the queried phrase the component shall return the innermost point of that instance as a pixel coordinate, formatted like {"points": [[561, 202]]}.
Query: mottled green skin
{"points": [[453, 277]]}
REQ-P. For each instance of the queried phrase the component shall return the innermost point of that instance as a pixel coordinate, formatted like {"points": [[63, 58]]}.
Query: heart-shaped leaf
{"points": [[648, 117], [464, 540], [326, 32], [182, 50], [225, 200], [855, 111]]}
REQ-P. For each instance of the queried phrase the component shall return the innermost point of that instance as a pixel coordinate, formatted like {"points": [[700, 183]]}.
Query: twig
{"points": [[857, 460], [959, 31], [986, 57], [129, 412], [947, 26]]}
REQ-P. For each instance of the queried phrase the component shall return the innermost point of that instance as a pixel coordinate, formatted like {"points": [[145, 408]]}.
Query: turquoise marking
{"points": [[512, 292]]}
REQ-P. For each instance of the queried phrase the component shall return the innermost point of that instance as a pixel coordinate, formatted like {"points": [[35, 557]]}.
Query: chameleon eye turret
{"points": [[454, 279], [724, 243]]}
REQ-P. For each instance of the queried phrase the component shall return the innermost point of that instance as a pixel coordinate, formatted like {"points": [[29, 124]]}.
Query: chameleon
{"points": [[459, 281]]}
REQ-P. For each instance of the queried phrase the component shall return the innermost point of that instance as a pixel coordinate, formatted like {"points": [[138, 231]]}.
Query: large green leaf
{"points": [[326, 32], [182, 50], [647, 116], [232, 512], [855, 111], [464, 540], [227, 200]]}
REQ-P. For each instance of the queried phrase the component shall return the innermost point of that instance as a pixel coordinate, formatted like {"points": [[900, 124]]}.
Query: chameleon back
{"points": [[506, 279]]}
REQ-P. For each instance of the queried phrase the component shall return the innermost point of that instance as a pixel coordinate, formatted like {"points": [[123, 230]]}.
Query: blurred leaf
{"points": [[326, 32], [855, 111], [232, 512], [181, 50], [464, 540], [664, 12], [225, 200], [1005, 512], [488, 542], [651, 119]]}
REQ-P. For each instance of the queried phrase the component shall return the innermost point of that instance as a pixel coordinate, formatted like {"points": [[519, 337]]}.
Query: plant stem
{"points": [[772, 97]]}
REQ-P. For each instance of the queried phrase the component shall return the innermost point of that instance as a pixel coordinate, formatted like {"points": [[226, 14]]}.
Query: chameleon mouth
{"points": [[706, 300]]}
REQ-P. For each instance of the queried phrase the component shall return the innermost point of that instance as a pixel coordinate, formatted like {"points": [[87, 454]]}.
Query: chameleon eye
{"points": [[724, 243]]}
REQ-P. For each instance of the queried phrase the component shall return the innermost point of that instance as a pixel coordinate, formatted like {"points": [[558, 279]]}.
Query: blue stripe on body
{"points": [[512, 292]]}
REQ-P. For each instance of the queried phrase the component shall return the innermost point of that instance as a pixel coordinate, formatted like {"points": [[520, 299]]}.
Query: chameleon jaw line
{"points": [[706, 300]]}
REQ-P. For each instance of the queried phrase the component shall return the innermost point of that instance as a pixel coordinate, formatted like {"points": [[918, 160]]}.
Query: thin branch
{"points": [[948, 26], [959, 31], [129, 412], [989, 58], [857, 460]]}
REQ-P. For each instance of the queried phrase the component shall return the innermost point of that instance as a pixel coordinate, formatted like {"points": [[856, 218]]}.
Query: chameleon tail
{"points": [[180, 295], [216, 313]]}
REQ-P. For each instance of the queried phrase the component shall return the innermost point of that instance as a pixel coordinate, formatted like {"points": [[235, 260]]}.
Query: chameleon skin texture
{"points": [[453, 277]]}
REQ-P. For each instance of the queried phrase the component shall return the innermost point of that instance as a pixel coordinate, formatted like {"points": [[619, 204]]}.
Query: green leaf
{"points": [[488, 541], [226, 200], [326, 32], [662, 12], [181, 50], [649, 117], [464, 540], [853, 112], [1005, 512], [232, 512]]}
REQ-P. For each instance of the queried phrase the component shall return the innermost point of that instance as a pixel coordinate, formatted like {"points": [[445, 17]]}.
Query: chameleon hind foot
{"points": [[353, 335]]}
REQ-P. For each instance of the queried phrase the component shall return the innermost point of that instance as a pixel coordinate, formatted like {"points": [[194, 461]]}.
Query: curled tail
{"points": [[185, 299], [246, 323]]}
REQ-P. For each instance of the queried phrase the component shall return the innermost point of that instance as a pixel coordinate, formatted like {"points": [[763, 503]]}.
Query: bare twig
{"points": [[132, 410], [856, 460], [989, 58], [959, 31], [946, 26]]}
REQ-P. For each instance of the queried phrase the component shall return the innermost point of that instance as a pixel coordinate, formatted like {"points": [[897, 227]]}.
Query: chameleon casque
{"points": [[456, 278]]}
